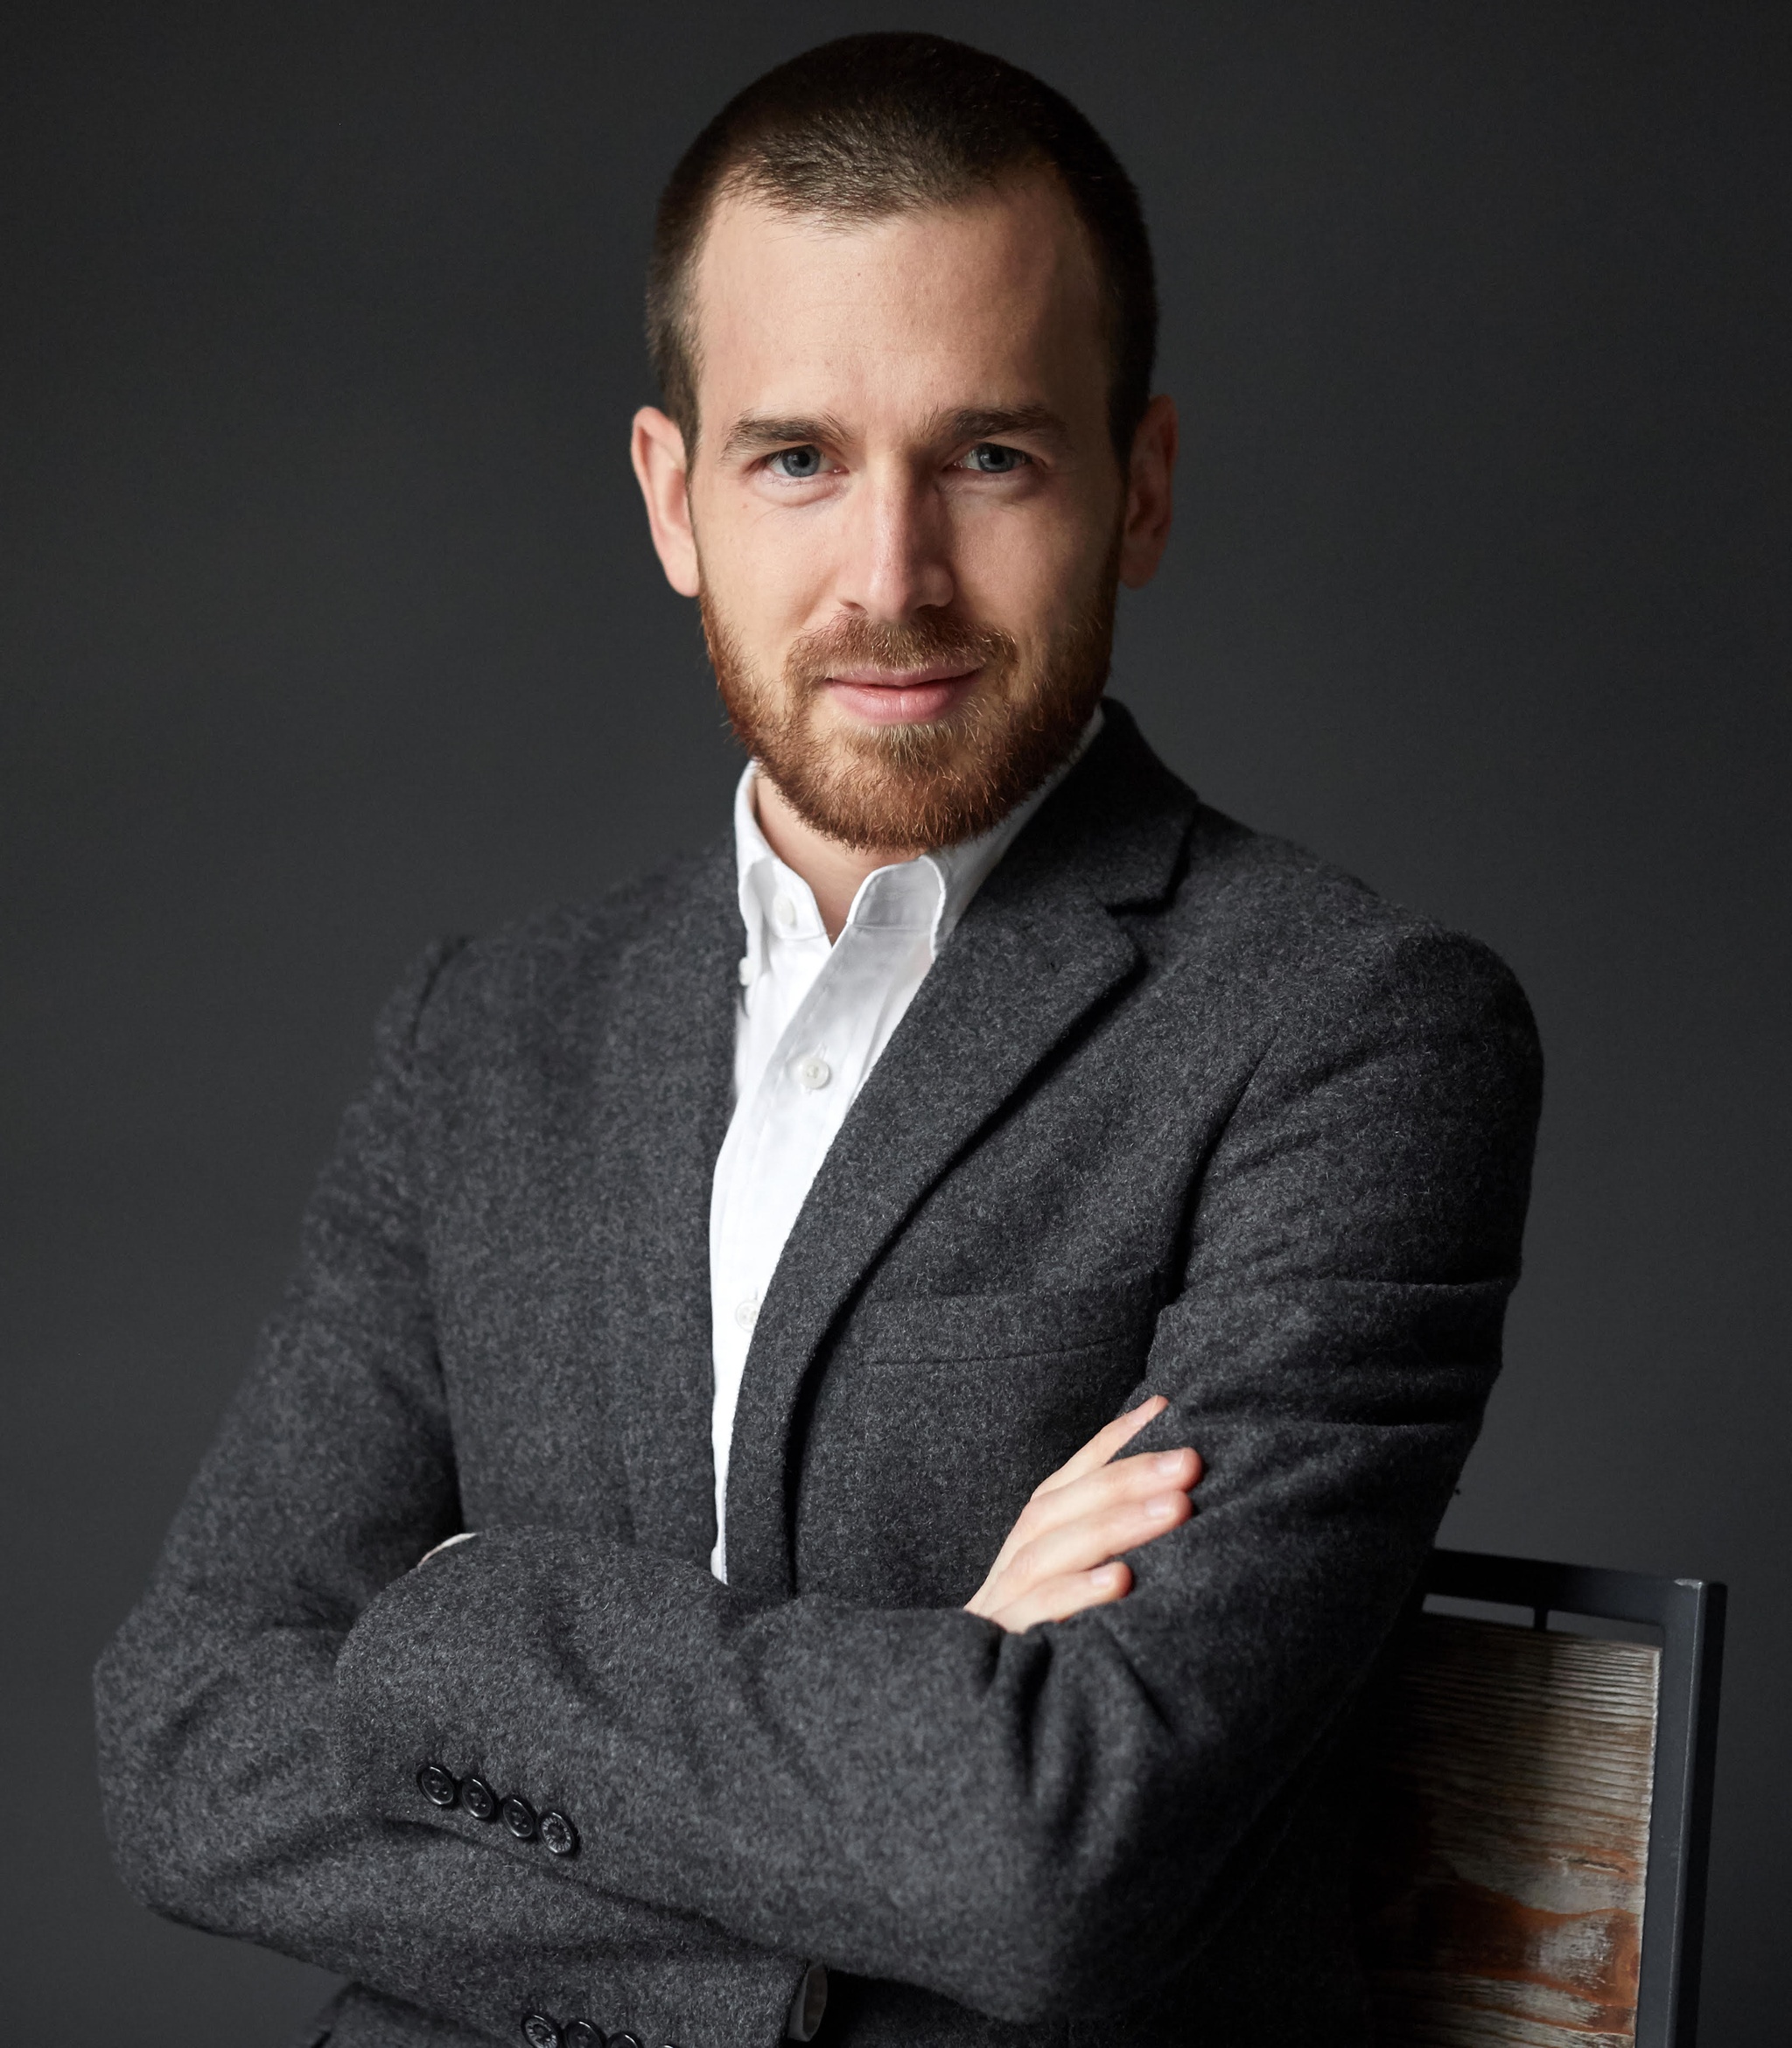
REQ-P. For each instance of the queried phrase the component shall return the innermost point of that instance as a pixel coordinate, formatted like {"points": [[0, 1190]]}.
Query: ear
{"points": [[1146, 528], [656, 448]]}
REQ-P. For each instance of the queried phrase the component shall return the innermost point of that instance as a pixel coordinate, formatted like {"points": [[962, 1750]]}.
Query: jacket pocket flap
{"points": [[929, 1328]]}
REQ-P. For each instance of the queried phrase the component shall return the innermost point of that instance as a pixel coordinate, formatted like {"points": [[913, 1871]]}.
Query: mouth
{"points": [[902, 696]]}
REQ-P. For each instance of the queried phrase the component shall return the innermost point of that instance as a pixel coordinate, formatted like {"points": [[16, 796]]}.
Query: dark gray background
{"points": [[329, 624]]}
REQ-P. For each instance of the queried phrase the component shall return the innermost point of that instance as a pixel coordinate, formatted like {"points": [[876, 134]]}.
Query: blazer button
{"points": [[540, 2031], [580, 2033], [520, 1818], [439, 1785], [624, 2041], [559, 1833], [479, 1798]]}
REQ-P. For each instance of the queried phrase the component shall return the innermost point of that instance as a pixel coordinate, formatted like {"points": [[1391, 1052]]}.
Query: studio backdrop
{"points": [[328, 624]]}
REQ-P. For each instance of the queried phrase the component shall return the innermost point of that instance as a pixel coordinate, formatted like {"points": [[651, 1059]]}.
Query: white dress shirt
{"points": [[814, 1019]]}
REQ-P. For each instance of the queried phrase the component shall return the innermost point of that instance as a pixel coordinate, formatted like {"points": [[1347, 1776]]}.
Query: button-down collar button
{"points": [[558, 1834], [813, 1071], [438, 1784], [540, 2031], [479, 1798], [580, 2033], [783, 910], [520, 1818], [746, 1311]]}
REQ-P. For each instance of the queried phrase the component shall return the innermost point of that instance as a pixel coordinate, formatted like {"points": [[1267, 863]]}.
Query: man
{"points": [[921, 1349]]}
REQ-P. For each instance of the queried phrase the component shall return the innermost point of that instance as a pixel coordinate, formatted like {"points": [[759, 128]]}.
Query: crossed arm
{"points": [[1065, 1552], [762, 1787]]}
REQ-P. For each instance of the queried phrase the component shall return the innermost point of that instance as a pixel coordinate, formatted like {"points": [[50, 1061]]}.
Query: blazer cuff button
{"points": [[479, 1798], [558, 1834], [520, 1819], [540, 2031], [580, 2033], [438, 1784]]}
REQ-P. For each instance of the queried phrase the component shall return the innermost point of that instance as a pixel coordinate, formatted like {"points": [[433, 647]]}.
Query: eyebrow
{"points": [[754, 429], [760, 430], [992, 423]]}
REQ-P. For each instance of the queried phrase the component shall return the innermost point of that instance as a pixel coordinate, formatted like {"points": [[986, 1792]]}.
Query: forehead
{"points": [[995, 300]]}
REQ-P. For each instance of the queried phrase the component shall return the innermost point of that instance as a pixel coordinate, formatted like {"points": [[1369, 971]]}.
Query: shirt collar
{"points": [[932, 890]]}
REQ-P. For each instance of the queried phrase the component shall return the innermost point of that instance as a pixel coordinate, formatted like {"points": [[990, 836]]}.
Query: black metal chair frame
{"points": [[1690, 1615]]}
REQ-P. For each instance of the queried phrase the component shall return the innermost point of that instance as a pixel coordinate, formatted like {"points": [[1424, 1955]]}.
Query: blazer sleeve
{"points": [[333, 1473], [1046, 1824]]}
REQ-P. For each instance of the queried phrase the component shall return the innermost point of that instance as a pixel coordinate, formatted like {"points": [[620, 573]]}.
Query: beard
{"points": [[910, 788]]}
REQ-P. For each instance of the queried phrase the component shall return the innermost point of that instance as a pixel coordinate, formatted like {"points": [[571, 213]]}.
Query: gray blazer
{"points": [[1178, 1108]]}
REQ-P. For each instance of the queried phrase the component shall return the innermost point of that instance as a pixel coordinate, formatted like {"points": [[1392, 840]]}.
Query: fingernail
{"points": [[1161, 1506], [1169, 1463]]}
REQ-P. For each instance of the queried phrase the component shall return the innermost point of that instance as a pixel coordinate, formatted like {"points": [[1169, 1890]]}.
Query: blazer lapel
{"points": [[668, 1057], [1036, 952]]}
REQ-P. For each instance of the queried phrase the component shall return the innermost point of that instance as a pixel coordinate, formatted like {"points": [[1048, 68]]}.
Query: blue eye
{"points": [[798, 463], [991, 459]]}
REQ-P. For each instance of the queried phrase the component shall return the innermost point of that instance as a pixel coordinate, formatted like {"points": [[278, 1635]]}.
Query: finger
{"points": [[1098, 1492], [1057, 1599], [1091, 1540], [1116, 1516], [1105, 1441], [1122, 1478], [1054, 1500]]}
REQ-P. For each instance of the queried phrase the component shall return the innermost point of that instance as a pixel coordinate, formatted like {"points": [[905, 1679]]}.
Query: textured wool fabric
{"points": [[1178, 1109]]}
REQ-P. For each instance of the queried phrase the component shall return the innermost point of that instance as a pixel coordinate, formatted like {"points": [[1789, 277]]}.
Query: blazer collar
{"points": [[1037, 950]]}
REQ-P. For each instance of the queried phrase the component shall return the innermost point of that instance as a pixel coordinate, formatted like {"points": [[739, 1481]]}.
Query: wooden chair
{"points": [[1539, 1805]]}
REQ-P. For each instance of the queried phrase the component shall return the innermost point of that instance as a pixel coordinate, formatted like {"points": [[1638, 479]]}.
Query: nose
{"points": [[897, 558]]}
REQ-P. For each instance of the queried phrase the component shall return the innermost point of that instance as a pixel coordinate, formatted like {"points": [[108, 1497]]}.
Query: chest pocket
{"points": [[935, 1419]]}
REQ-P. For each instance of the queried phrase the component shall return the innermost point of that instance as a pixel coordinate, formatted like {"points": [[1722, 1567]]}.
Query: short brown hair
{"points": [[873, 125]]}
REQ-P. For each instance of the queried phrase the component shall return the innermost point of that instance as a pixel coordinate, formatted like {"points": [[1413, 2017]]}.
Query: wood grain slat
{"points": [[1507, 1839]]}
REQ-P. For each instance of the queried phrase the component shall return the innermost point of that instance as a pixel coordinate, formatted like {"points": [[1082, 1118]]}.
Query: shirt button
{"points": [[746, 1311], [746, 972], [783, 910], [814, 1073]]}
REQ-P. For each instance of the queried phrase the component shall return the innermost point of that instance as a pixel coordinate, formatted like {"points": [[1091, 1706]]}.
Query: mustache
{"points": [[930, 637]]}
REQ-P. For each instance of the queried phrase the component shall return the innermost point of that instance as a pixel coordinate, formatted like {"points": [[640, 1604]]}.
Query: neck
{"points": [[833, 870]]}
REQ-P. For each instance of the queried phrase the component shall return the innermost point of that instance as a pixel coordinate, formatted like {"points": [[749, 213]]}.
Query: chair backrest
{"points": [[1539, 1805]]}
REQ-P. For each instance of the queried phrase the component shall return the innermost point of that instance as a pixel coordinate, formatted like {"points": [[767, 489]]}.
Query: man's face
{"points": [[904, 518]]}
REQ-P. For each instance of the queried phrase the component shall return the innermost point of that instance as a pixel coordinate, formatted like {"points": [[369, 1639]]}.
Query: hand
{"points": [[1062, 1555]]}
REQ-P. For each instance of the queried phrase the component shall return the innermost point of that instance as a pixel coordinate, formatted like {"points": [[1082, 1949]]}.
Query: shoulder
{"points": [[1259, 897], [1249, 890], [1304, 950], [560, 959], [1201, 892]]}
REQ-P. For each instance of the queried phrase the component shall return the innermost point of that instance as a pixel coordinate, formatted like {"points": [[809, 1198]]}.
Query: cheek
{"points": [[766, 572], [1024, 572]]}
